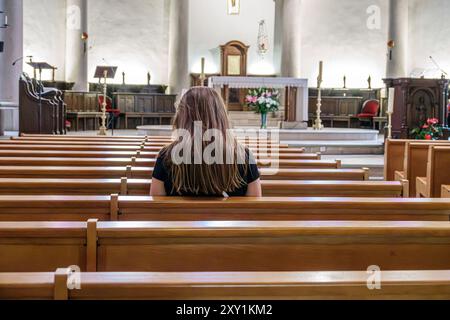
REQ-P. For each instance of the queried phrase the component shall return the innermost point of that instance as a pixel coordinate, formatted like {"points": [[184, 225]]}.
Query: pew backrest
{"points": [[145, 208], [229, 246], [438, 169], [395, 155]]}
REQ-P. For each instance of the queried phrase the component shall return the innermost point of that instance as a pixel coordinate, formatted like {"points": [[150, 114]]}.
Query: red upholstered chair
{"points": [[370, 110]]}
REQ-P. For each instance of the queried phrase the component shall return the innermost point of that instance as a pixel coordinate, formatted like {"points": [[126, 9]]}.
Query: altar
{"points": [[295, 93]]}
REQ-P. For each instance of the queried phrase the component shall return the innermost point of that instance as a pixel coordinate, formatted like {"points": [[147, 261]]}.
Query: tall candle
{"points": [[320, 71], [203, 65], [391, 100]]}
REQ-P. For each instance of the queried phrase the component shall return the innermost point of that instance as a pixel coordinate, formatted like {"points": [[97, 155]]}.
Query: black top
{"points": [[162, 173]]}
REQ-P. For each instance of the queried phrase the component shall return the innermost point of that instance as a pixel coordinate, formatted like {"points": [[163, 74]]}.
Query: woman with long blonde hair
{"points": [[205, 159]]}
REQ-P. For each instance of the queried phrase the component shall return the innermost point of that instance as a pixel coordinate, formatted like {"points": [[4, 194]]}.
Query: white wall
{"points": [[429, 35], [45, 34], [211, 26], [132, 35], [337, 33]]}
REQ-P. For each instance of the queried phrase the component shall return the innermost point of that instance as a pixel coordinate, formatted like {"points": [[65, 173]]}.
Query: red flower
{"points": [[432, 121], [428, 137], [425, 126]]}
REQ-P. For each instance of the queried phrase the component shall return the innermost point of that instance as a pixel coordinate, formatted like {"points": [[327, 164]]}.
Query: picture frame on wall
{"points": [[234, 7]]}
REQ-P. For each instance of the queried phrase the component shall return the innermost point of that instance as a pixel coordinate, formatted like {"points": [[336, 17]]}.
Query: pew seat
{"points": [[224, 246], [342, 285]]}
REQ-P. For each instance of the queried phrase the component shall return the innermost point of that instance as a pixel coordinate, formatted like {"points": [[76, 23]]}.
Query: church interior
{"points": [[355, 196]]}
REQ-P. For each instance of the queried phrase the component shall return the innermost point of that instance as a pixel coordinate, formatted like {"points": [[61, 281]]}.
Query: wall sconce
{"points": [[5, 21]]}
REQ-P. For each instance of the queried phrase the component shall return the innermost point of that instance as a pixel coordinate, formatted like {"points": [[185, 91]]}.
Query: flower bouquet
{"points": [[431, 130], [263, 101]]}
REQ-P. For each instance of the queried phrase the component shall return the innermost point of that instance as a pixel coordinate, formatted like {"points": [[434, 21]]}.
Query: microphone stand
{"points": [[444, 74], [40, 99]]}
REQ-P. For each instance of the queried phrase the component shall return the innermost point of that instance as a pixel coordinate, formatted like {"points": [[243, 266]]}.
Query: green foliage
{"points": [[431, 130]]}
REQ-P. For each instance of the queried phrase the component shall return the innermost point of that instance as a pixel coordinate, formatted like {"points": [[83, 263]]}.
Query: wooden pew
{"points": [[103, 148], [395, 154], [116, 162], [337, 285], [141, 187], [224, 246], [415, 164], [5, 143], [131, 154], [146, 173], [445, 191], [438, 173], [135, 208]]}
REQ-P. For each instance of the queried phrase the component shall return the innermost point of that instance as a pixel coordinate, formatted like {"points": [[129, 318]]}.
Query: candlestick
{"points": [[203, 65], [320, 71], [369, 81], [123, 78], [345, 82], [202, 74], [149, 78], [318, 122]]}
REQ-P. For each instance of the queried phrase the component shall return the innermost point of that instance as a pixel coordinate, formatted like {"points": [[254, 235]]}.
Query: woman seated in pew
{"points": [[206, 160]]}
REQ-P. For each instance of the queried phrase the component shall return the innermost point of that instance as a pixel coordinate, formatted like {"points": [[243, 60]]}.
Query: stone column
{"points": [[288, 39], [179, 46], [13, 49], [77, 47], [397, 58]]}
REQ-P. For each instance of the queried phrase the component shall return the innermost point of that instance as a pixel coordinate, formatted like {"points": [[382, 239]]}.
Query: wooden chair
{"points": [[241, 246], [337, 285], [438, 173]]}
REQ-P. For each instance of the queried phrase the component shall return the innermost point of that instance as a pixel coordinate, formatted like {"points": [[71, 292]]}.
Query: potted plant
{"points": [[431, 130], [263, 101]]}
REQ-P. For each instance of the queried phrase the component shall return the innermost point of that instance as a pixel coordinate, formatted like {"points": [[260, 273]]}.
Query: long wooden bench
{"points": [[141, 187], [146, 173], [415, 164], [103, 148], [341, 285], [224, 246], [136, 154], [438, 173], [5, 143], [395, 154], [115, 162], [144, 208]]}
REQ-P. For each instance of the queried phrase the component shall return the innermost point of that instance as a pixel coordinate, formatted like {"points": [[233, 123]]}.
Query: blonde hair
{"points": [[205, 105]]}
